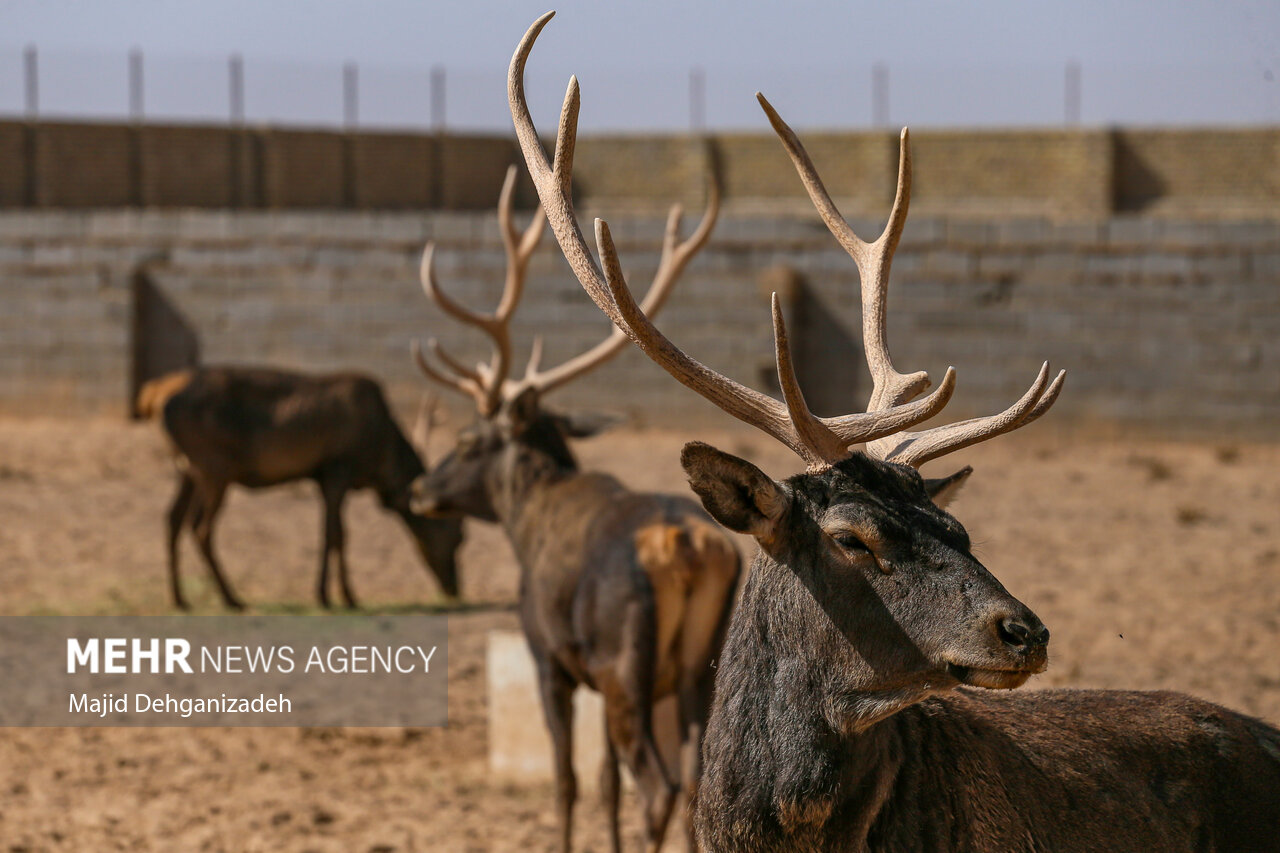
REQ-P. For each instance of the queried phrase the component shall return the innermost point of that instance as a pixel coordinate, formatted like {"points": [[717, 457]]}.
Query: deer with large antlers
{"points": [[838, 723], [626, 593]]}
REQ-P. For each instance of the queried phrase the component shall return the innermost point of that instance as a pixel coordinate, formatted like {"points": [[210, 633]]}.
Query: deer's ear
{"points": [[944, 489], [736, 493]]}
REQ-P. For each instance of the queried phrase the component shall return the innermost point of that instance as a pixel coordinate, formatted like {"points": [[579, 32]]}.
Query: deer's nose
{"points": [[1023, 632], [421, 501]]}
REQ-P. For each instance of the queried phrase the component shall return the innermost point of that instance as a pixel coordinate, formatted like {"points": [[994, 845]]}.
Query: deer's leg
{"points": [[209, 503], [179, 511], [334, 492], [610, 788], [557, 706], [633, 740], [626, 683]]}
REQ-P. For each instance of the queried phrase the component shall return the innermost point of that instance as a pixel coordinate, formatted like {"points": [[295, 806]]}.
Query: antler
{"points": [[819, 441], [889, 387], [488, 384], [423, 424], [485, 382], [676, 254]]}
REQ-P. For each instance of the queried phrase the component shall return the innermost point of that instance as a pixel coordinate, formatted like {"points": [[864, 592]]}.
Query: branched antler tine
{"points": [[534, 156], [826, 445], [431, 287], [901, 198], [675, 256], [890, 387], [1047, 399], [681, 252], [551, 184], [487, 390], [535, 358], [506, 201], [567, 138], [836, 223], [519, 247], [743, 403], [917, 448], [669, 262], [457, 383], [452, 363], [872, 425]]}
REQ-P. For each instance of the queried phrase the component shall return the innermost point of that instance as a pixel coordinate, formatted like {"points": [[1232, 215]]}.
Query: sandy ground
{"points": [[1156, 565]]}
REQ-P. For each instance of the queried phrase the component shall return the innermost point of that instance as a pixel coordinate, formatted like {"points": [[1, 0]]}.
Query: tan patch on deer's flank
{"points": [[809, 814], [155, 393], [689, 566]]}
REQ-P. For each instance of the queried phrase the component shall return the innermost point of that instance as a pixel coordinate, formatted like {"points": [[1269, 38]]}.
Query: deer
{"points": [[857, 697], [625, 593], [259, 427]]}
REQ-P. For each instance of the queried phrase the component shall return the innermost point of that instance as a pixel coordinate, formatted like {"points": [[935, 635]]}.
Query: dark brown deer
{"points": [[837, 722], [623, 592], [258, 427]]}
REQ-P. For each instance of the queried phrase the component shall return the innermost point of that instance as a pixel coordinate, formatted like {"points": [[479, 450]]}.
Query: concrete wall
{"points": [[1172, 326], [1064, 174]]}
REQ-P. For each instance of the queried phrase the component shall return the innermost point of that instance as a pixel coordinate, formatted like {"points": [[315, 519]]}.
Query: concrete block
{"points": [[949, 262], [1166, 264], [1249, 233], [1132, 231], [1022, 232], [968, 233], [519, 745], [918, 232], [1196, 235]]}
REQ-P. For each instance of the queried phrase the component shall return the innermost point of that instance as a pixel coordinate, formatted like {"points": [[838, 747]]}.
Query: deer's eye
{"points": [[851, 543]]}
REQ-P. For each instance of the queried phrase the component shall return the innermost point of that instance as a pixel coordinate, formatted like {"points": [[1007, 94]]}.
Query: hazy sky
{"points": [[974, 62]]}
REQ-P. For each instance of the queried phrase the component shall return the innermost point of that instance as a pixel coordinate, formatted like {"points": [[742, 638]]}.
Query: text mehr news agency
{"points": [[173, 655]]}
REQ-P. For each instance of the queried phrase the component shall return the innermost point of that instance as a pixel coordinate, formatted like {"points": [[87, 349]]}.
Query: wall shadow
{"points": [[163, 339]]}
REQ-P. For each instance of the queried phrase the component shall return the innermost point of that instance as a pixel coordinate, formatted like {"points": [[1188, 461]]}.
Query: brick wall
{"points": [[1171, 326], [15, 176], [1189, 172], [187, 166], [85, 165], [393, 171], [1063, 174]]}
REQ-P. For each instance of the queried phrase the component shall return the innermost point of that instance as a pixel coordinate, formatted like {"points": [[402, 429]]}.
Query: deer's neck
{"points": [[515, 483], [547, 508], [792, 753]]}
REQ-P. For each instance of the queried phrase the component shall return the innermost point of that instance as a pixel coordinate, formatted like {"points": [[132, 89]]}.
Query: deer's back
{"points": [[1080, 770], [1053, 770], [258, 426]]}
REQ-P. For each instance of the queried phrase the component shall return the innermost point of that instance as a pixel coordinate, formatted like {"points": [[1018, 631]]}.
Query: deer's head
{"points": [[514, 435], [866, 581], [863, 583], [521, 439]]}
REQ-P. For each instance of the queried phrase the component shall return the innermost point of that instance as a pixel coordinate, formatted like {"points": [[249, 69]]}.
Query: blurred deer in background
{"points": [[259, 427], [837, 724], [623, 592]]}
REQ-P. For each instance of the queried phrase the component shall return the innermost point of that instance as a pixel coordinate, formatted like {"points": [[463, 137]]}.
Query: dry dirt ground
{"points": [[1156, 565]]}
